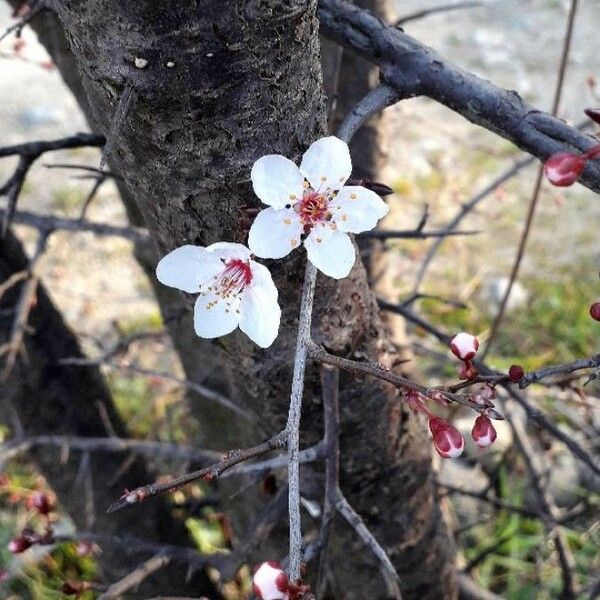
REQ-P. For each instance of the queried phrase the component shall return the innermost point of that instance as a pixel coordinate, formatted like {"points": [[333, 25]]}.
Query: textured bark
{"points": [[245, 82], [49, 397]]}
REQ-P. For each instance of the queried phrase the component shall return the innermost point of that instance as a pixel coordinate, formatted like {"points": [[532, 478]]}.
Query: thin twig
{"points": [[465, 209], [380, 372], [133, 579], [35, 7], [355, 521], [413, 234], [24, 306], [204, 391], [331, 417], [419, 14], [28, 153], [50, 223], [210, 473], [536, 187], [549, 511], [293, 422], [374, 102]]}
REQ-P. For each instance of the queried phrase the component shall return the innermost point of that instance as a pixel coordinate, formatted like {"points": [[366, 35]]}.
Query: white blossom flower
{"points": [[313, 201], [233, 290], [270, 582]]}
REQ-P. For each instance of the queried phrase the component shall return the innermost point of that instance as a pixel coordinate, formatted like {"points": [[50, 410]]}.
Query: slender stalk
{"points": [[293, 423]]}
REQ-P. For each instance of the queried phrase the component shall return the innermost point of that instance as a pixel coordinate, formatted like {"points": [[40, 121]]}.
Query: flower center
{"points": [[313, 208], [236, 276]]}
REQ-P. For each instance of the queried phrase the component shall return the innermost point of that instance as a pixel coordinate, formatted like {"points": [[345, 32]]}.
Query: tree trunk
{"points": [[62, 400], [245, 81]]}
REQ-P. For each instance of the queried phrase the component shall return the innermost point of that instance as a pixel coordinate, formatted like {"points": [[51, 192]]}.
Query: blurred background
{"points": [[435, 159]]}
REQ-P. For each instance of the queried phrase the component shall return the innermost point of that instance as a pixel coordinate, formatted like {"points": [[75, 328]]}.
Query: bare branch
{"points": [[50, 223], [293, 423], [136, 577], [28, 153], [23, 309], [232, 458], [204, 391], [34, 8], [536, 187], [355, 521], [419, 14], [412, 234], [414, 69]]}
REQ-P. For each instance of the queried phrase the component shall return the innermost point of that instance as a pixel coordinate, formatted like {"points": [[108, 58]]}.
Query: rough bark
{"points": [[48, 397], [246, 81]]}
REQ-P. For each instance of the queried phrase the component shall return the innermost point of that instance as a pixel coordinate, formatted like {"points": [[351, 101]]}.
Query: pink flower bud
{"points": [[593, 113], [270, 582], [516, 373], [18, 545], [41, 502], [464, 345], [595, 311], [483, 432], [563, 169], [447, 440]]}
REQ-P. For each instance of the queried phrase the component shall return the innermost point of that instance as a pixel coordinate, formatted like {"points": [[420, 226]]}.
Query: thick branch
{"points": [[416, 70]]}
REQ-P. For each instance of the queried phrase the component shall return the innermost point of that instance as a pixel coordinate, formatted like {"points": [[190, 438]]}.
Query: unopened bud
{"points": [[593, 113], [563, 169], [41, 502], [19, 544], [483, 432], [270, 582], [464, 346], [447, 440], [516, 373]]}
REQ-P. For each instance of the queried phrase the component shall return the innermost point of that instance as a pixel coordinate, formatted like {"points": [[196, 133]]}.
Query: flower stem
{"points": [[293, 423]]}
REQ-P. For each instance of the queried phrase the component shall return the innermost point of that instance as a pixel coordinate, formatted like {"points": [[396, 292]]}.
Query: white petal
{"points": [[276, 180], [260, 312], [187, 267], [356, 209], [326, 164], [221, 318], [275, 233], [229, 250], [331, 251]]}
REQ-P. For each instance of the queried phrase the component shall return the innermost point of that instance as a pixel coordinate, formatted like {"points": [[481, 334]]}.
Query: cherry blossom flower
{"points": [[234, 290], [447, 440], [483, 432], [270, 582], [312, 201]]}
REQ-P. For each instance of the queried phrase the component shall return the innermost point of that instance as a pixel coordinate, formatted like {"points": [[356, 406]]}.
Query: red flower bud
{"points": [[563, 169], [593, 113], [19, 544], [483, 432], [595, 311], [447, 440], [464, 345], [516, 373], [41, 502], [270, 582]]}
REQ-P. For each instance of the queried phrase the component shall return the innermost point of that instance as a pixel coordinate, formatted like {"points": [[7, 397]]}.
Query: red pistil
{"points": [[313, 208]]}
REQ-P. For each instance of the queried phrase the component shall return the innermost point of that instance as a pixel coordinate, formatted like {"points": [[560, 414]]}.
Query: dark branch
{"points": [[414, 69]]}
